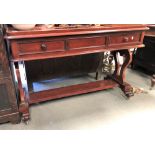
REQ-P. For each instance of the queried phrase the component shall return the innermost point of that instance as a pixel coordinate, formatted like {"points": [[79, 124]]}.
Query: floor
{"points": [[100, 110]]}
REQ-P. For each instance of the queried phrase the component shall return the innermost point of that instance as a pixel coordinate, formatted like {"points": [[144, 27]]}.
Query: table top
{"points": [[43, 31], [151, 32]]}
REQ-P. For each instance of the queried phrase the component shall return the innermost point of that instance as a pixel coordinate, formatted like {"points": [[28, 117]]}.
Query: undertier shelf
{"points": [[64, 81], [67, 86]]}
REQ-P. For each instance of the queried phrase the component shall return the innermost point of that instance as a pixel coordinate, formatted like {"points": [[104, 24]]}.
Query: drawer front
{"points": [[34, 47], [87, 42], [125, 38]]}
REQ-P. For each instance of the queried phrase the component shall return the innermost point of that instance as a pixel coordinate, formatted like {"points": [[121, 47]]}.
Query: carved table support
{"points": [[23, 91], [153, 81], [119, 73], [100, 66]]}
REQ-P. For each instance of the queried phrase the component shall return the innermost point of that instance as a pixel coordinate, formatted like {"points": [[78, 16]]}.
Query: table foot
{"points": [[24, 110], [26, 118], [127, 89]]}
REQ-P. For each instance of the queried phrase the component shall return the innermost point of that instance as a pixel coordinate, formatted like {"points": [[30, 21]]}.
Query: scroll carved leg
{"points": [[153, 81], [99, 69], [23, 93], [119, 74], [117, 63]]}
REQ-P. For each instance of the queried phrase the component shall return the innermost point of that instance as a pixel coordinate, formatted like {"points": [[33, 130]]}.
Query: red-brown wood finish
{"points": [[53, 47], [45, 44], [71, 90]]}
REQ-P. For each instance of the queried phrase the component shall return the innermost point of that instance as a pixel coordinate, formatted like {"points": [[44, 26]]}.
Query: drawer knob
{"points": [[126, 39], [43, 46], [132, 38]]}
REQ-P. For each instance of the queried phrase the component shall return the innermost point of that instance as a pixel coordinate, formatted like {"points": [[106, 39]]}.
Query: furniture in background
{"points": [[51, 55], [8, 102], [145, 57]]}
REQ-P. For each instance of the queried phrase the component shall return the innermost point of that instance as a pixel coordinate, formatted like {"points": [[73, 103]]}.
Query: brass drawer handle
{"points": [[43, 46]]}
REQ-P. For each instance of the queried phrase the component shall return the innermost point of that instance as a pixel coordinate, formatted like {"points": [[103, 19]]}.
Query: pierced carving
{"points": [[108, 65]]}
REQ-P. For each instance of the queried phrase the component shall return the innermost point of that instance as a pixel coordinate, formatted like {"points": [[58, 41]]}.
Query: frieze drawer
{"points": [[33, 47], [125, 38], [86, 42]]}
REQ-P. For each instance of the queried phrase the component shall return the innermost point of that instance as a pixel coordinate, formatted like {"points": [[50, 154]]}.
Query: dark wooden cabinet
{"points": [[8, 102], [145, 57]]}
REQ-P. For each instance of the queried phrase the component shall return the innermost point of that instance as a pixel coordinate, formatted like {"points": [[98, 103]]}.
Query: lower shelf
{"points": [[35, 97], [64, 81]]}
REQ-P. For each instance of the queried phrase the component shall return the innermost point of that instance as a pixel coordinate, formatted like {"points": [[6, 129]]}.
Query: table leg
{"points": [[117, 64], [23, 91], [120, 71], [100, 66], [153, 81]]}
